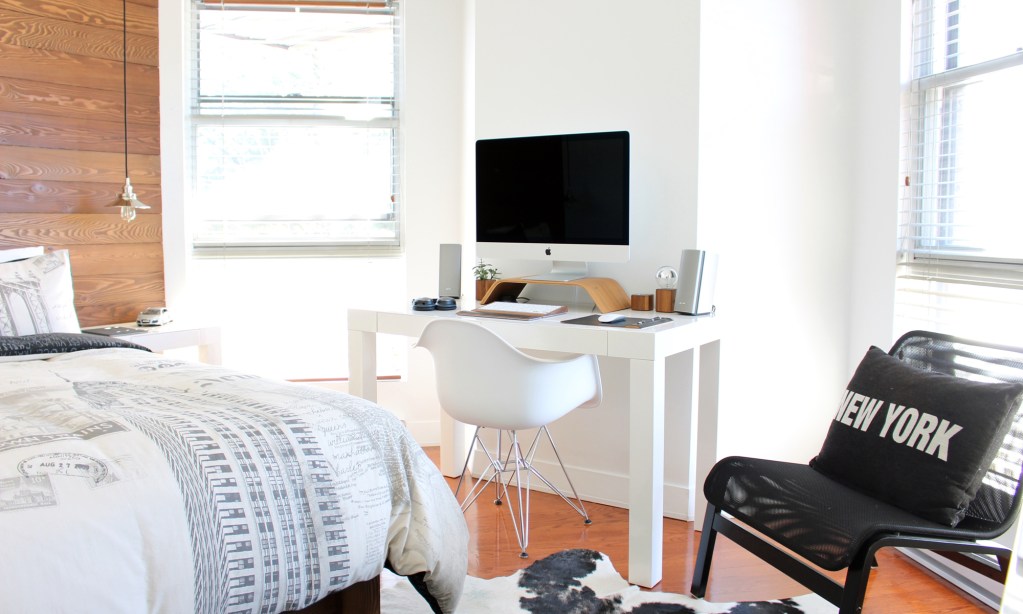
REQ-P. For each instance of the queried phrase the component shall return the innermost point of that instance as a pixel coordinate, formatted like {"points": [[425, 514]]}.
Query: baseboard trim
{"points": [[425, 432]]}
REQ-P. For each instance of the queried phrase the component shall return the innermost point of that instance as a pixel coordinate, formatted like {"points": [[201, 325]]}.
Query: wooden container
{"points": [[642, 302]]}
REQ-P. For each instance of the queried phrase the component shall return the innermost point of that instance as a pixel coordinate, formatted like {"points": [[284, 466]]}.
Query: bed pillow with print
{"points": [[36, 296]]}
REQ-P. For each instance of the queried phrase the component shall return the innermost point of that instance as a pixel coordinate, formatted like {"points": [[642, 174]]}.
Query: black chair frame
{"points": [[867, 525]]}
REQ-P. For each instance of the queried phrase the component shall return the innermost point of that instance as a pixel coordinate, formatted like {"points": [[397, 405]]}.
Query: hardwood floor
{"points": [[897, 586]]}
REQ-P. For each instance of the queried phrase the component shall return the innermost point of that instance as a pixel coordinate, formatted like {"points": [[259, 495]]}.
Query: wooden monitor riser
{"points": [[606, 293]]}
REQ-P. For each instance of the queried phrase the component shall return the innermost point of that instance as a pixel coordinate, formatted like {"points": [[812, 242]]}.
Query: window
{"points": [[960, 254], [295, 122]]}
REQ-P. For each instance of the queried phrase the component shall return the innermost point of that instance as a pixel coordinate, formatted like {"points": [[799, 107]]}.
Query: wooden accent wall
{"points": [[62, 146]]}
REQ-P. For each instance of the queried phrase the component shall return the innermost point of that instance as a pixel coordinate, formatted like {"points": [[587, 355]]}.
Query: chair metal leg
{"points": [[499, 463], [504, 464], [468, 457], [577, 505], [520, 467], [492, 473], [503, 467]]}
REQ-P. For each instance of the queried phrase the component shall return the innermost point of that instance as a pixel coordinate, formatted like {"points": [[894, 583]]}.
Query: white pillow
{"points": [[20, 253], [36, 296]]}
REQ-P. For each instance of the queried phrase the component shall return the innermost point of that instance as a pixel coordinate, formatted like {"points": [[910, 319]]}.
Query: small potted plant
{"points": [[486, 275]]}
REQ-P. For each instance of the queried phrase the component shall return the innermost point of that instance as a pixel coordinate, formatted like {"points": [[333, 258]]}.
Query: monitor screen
{"points": [[558, 197]]}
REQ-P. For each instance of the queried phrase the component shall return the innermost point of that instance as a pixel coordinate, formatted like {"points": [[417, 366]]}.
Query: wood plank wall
{"points": [[62, 146]]}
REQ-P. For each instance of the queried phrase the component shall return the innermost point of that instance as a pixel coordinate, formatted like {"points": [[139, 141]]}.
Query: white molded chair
{"points": [[485, 382]]}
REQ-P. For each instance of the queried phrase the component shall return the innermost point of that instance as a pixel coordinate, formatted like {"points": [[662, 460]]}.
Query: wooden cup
{"points": [[642, 302]]}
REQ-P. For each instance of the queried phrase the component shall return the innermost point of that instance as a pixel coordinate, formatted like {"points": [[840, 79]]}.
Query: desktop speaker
{"points": [[696, 277], [450, 270]]}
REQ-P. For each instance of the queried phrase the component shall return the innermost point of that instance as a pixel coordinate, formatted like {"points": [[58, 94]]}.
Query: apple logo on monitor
{"points": [[547, 251]]}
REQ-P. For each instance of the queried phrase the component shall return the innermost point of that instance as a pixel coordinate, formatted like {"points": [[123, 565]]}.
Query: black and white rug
{"points": [[579, 582]]}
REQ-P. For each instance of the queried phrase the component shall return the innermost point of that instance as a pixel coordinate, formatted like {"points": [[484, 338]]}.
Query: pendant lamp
{"points": [[127, 201]]}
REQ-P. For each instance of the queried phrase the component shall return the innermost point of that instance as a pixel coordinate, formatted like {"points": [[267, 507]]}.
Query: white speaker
{"points": [[450, 270], [696, 278]]}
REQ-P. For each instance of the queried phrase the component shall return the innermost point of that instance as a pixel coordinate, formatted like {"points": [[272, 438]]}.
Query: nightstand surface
{"points": [[176, 335]]}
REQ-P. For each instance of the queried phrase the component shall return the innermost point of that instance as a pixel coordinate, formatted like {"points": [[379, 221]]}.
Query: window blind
{"points": [[960, 262], [294, 128], [367, 4]]}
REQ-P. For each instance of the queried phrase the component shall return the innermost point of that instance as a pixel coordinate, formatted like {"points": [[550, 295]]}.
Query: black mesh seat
{"points": [[832, 527]]}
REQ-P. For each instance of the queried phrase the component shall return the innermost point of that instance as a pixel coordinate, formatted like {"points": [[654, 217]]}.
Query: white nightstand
{"points": [[176, 335]]}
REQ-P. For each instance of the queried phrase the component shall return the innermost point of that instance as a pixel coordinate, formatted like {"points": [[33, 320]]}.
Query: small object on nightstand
{"points": [[113, 331], [153, 316]]}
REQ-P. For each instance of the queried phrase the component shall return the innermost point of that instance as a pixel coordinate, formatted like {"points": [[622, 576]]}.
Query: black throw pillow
{"points": [[919, 440], [60, 343]]}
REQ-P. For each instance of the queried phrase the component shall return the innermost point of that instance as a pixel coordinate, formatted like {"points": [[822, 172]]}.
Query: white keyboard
{"points": [[520, 308], [556, 276]]}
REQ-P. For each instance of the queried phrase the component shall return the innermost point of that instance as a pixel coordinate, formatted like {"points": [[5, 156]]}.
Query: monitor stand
{"points": [[607, 294], [562, 271]]}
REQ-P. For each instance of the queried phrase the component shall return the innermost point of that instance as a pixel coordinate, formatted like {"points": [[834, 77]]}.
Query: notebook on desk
{"points": [[515, 311]]}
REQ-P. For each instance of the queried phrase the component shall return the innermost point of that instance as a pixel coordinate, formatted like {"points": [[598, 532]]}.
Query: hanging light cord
{"points": [[124, 75]]}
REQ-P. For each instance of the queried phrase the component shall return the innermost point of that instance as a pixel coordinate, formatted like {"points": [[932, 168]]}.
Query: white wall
{"points": [[776, 173], [596, 65], [436, 131], [799, 124], [547, 67], [792, 107], [764, 131], [881, 46]]}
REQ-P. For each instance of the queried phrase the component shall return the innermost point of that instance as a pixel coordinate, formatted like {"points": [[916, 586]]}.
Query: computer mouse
{"points": [[610, 318]]}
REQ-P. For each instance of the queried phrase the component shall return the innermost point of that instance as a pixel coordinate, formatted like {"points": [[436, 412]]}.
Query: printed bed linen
{"points": [[131, 482]]}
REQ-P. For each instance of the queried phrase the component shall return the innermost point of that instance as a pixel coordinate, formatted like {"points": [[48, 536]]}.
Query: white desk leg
{"points": [[362, 364], [646, 471], [454, 445], [706, 441]]}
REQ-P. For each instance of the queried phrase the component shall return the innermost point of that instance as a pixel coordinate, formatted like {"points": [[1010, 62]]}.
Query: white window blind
{"points": [[295, 128], [960, 267]]}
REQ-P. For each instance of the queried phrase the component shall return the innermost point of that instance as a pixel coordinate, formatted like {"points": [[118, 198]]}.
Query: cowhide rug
{"points": [[579, 582]]}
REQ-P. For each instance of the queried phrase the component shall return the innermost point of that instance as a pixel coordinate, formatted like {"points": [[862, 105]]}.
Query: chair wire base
{"points": [[518, 467]]}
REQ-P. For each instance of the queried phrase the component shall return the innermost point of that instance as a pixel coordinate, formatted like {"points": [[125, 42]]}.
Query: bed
{"points": [[135, 482]]}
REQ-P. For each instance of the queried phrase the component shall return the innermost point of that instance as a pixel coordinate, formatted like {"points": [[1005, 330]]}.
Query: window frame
{"points": [[943, 287], [929, 255]]}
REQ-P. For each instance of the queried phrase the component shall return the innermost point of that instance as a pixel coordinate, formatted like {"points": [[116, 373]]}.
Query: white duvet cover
{"points": [[131, 482]]}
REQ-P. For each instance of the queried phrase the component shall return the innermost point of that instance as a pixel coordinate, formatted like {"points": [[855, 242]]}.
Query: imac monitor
{"points": [[559, 198]]}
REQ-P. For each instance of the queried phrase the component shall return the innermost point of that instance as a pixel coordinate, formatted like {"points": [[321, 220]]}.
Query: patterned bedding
{"points": [[132, 482]]}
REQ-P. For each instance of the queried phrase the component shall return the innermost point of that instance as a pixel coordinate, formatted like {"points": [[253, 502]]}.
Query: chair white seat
{"points": [[484, 381]]}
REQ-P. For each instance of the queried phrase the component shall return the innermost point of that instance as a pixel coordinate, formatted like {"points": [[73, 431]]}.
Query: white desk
{"points": [[646, 350]]}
